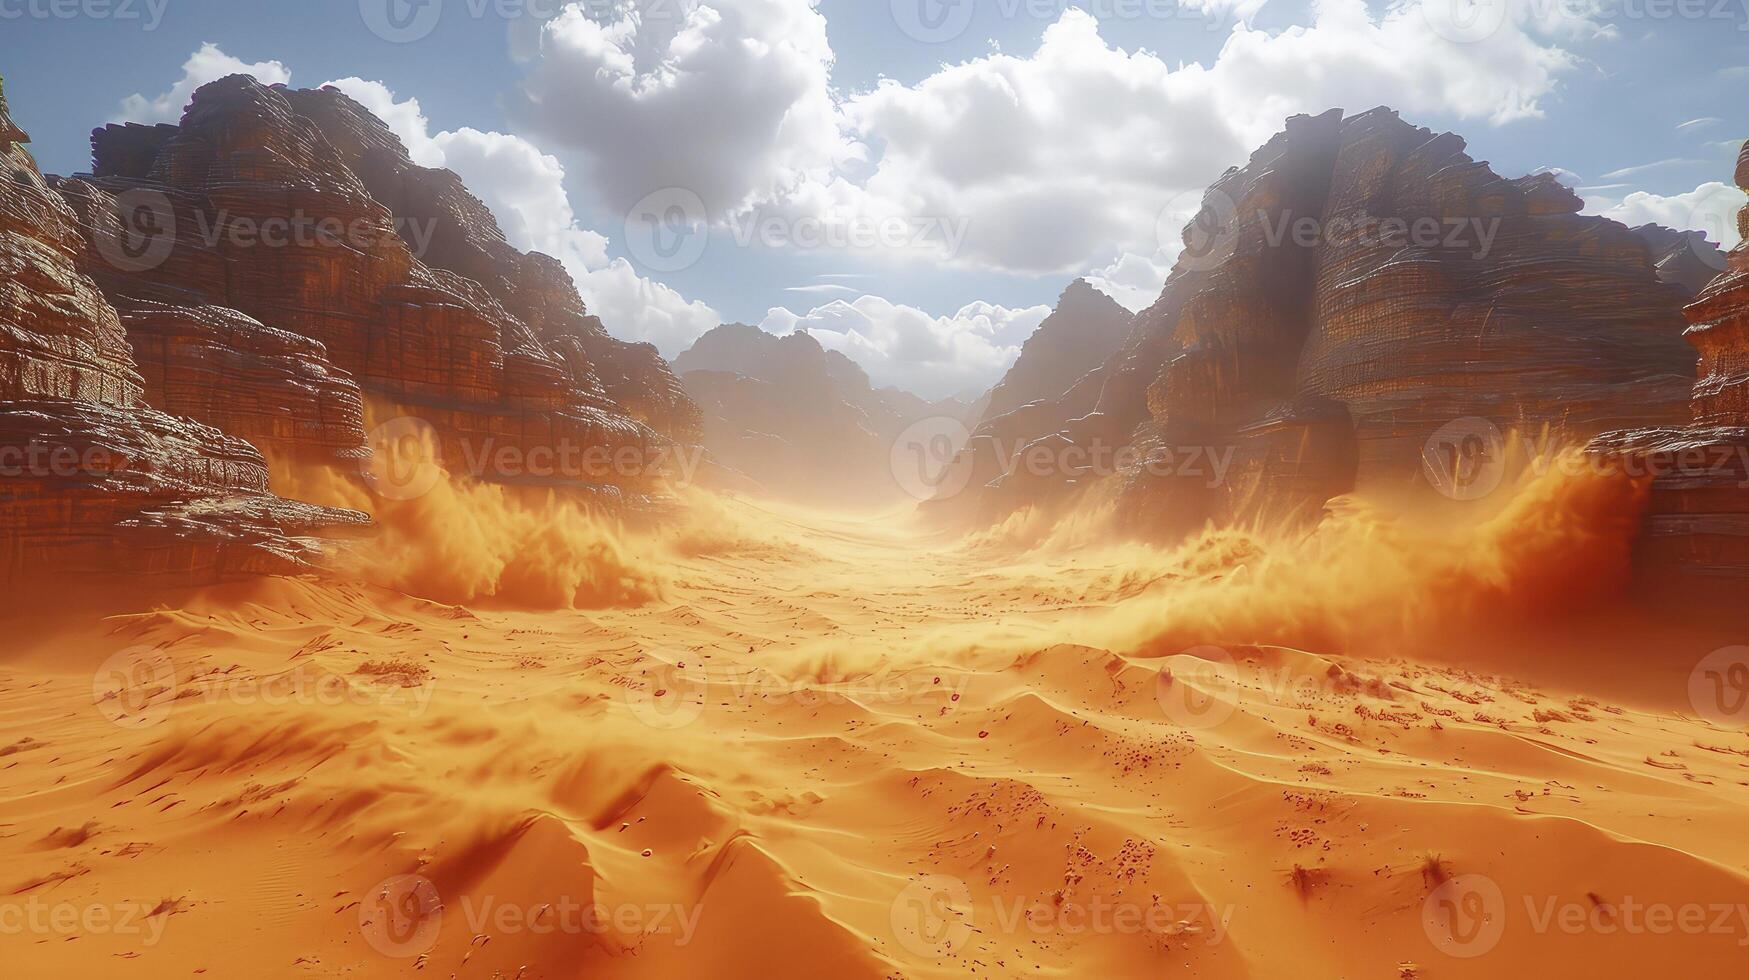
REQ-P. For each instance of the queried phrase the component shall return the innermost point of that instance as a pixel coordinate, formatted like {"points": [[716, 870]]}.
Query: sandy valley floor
{"points": [[824, 747]]}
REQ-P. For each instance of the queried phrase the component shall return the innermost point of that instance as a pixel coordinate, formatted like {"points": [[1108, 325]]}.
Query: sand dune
{"points": [[803, 745]]}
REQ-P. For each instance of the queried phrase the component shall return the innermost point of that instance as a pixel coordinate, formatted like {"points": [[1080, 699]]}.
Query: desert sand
{"points": [[772, 743]]}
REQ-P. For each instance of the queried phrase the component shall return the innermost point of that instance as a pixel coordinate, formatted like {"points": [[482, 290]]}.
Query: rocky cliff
{"points": [[278, 258], [1358, 287], [1683, 258], [800, 421], [1697, 530], [92, 481]]}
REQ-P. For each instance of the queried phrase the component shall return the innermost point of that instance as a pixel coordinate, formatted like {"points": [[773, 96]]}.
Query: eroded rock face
{"points": [[1683, 258], [93, 482], [292, 230], [801, 422], [1359, 285], [1697, 530]]}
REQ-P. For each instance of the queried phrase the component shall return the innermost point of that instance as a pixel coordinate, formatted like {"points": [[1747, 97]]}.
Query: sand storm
{"points": [[819, 744]]}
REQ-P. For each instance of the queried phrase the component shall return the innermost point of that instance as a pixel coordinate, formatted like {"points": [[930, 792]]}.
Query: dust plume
{"points": [[1366, 577], [456, 540]]}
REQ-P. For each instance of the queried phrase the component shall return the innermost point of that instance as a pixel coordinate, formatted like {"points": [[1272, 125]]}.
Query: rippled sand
{"points": [[837, 748]]}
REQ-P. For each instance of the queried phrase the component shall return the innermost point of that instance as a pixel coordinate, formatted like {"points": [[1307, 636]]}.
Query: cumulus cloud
{"points": [[1055, 163], [730, 99], [902, 346], [1712, 207], [207, 64]]}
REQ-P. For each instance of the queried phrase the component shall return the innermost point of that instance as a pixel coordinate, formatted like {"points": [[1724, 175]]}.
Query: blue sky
{"points": [[974, 175]]}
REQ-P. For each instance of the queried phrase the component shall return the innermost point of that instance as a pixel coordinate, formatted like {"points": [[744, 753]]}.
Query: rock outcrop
{"points": [[1683, 258], [1357, 287], [286, 239], [1697, 530], [800, 421], [1084, 329], [93, 483]]}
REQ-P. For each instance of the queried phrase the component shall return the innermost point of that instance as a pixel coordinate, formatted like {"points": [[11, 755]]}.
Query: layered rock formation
{"points": [[1084, 329], [1358, 286], [1682, 258], [800, 421], [286, 240], [93, 482], [1697, 530]]}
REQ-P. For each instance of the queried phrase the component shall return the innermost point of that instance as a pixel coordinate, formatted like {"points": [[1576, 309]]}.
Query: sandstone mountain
{"points": [[1683, 258], [299, 262], [802, 422], [1358, 287], [265, 275], [93, 482], [1697, 531]]}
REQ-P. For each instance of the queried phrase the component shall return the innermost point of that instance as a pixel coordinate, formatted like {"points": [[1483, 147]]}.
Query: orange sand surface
{"points": [[813, 746]]}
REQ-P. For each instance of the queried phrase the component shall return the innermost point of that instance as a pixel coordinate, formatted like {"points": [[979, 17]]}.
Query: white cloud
{"points": [[730, 99], [1057, 163], [905, 347], [207, 64], [1712, 207]]}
